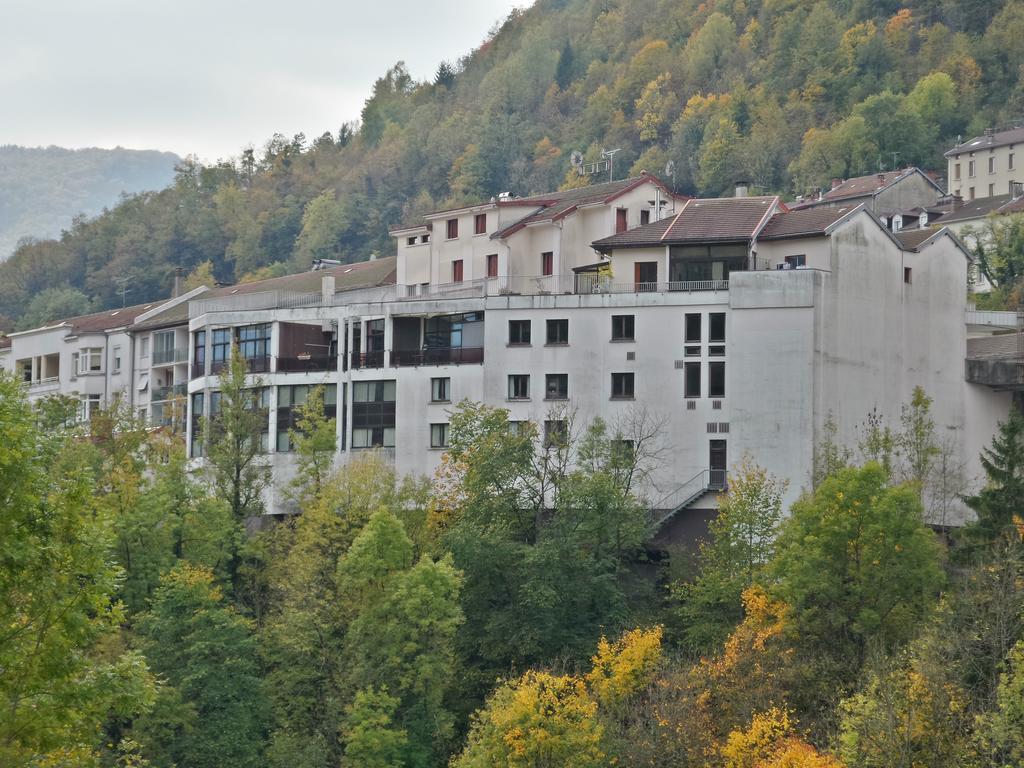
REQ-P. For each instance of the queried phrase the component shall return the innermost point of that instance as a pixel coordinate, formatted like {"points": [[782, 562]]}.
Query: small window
{"points": [[440, 390], [907, 275], [144, 350], [492, 265], [991, 190], [716, 327], [645, 217], [556, 433], [410, 240], [691, 380], [799, 260], [558, 332], [457, 271], [438, 435], [453, 228], [517, 428], [547, 263], [970, 169], [519, 333], [622, 386], [622, 328], [480, 224], [956, 171], [1009, 161], [992, 164], [424, 238], [970, 193], [691, 351], [692, 328], [519, 386], [716, 379], [117, 359], [556, 386], [620, 220], [716, 351]]}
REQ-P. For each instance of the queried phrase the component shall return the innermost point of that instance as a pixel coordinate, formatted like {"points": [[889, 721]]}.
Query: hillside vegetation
{"points": [[784, 93], [43, 188]]}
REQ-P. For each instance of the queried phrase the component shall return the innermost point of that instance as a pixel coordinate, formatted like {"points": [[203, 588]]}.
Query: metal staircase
{"points": [[686, 494]]}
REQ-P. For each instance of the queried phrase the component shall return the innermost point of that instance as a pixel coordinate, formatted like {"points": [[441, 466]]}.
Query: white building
{"points": [[736, 325], [986, 165]]}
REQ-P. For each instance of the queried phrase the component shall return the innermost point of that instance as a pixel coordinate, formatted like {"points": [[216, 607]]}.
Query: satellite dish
{"points": [[670, 168], [576, 158]]}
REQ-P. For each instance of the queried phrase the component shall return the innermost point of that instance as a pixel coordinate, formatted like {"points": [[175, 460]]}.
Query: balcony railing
{"points": [[368, 359], [552, 285], [168, 393], [252, 365], [304, 363], [169, 356], [438, 356]]}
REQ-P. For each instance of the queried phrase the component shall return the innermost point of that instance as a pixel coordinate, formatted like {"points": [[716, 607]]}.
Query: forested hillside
{"points": [[43, 188], [784, 93]]}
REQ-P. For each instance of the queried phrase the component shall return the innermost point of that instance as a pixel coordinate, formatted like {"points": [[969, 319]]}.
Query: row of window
{"points": [[547, 266], [623, 329], [972, 167], [556, 386]]}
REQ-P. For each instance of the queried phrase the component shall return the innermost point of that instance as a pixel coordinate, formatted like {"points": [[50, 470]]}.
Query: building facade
{"points": [[987, 165]]}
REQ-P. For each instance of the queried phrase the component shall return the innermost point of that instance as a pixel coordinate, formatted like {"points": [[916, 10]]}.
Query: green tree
{"points": [[371, 740], [998, 247], [58, 589], [857, 565], [323, 225], [1002, 498], [53, 304], [315, 441], [1002, 731], [212, 709], [566, 66]]}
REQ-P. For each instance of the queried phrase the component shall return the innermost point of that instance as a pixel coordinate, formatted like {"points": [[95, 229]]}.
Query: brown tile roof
{"points": [[863, 186], [999, 346], [1014, 206], [99, 322], [912, 239], [997, 139], [978, 208], [5, 342], [723, 219], [806, 222]]}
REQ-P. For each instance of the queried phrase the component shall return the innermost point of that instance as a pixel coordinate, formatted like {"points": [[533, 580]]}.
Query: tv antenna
{"points": [[122, 287], [670, 172], [576, 160], [606, 163]]}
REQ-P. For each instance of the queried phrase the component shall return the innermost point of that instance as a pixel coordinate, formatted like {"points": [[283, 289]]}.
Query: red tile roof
{"points": [[912, 239], [806, 222], [724, 219], [863, 186]]}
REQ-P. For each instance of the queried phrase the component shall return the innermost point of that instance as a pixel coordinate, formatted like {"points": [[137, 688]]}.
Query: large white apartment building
{"points": [[736, 325], [988, 165]]}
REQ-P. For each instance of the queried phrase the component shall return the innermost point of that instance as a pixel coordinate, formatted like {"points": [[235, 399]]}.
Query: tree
{"points": [[998, 247], [771, 742], [445, 76], [53, 304], [1002, 499], [1002, 731], [324, 223], [57, 595], [624, 668], [212, 710], [742, 543], [856, 564], [539, 719], [371, 740], [316, 441]]}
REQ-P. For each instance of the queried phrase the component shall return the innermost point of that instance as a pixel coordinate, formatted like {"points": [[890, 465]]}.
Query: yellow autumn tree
{"points": [[770, 741], [625, 667]]}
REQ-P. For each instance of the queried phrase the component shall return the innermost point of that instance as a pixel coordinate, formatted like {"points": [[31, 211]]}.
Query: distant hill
{"points": [[42, 189]]}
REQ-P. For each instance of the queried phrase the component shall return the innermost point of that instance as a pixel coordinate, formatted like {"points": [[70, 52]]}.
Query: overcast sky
{"points": [[211, 76]]}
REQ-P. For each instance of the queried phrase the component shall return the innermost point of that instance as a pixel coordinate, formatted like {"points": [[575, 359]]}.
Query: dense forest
{"points": [[786, 94], [509, 611], [42, 189]]}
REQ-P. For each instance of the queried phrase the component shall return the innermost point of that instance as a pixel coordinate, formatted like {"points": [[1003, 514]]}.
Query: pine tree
{"points": [[1003, 496]]}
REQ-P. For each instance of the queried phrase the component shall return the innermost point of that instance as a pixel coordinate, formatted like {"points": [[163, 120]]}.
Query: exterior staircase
{"points": [[686, 494]]}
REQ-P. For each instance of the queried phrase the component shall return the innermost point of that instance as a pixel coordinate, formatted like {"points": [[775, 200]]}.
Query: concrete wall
{"points": [[913, 191]]}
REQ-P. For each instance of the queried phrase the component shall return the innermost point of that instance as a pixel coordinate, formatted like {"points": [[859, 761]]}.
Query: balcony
{"points": [[368, 359], [579, 284], [169, 356], [169, 393], [49, 384], [252, 365], [307, 363], [438, 356]]}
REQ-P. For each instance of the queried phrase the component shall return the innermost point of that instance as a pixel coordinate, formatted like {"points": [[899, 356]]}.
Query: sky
{"points": [[209, 77]]}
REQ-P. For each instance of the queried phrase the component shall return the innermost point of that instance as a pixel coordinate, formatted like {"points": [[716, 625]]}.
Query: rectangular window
{"points": [[992, 164], [691, 380], [970, 169], [691, 351], [117, 359], [440, 390], [144, 349], [620, 220], [716, 379], [556, 433], [519, 386], [558, 332], [410, 240], [547, 263], [519, 332], [956, 171], [198, 353], [692, 328], [163, 347], [970, 193], [622, 386], [375, 335], [798, 260], [645, 217], [220, 347], [492, 265], [716, 327], [254, 341], [90, 360], [453, 228], [373, 414], [622, 328], [991, 190], [289, 398], [1009, 161], [517, 428], [438, 435], [457, 271], [480, 224], [88, 406], [716, 351], [556, 386], [906, 275]]}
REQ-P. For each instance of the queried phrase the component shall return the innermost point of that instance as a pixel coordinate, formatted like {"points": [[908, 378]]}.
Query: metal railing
{"points": [[305, 363], [544, 285], [165, 356], [438, 356], [167, 393], [368, 359], [684, 494]]}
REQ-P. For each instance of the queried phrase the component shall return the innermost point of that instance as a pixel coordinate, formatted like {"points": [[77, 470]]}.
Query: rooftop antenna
{"points": [[576, 161], [894, 156], [610, 154], [123, 289]]}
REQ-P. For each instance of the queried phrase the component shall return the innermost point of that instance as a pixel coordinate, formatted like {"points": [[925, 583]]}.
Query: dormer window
{"points": [[480, 224], [453, 229], [410, 241]]}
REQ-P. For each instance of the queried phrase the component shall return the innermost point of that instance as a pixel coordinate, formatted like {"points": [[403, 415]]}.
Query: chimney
{"points": [[742, 188], [327, 289], [836, 183], [178, 273], [958, 202], [881, 179]]}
